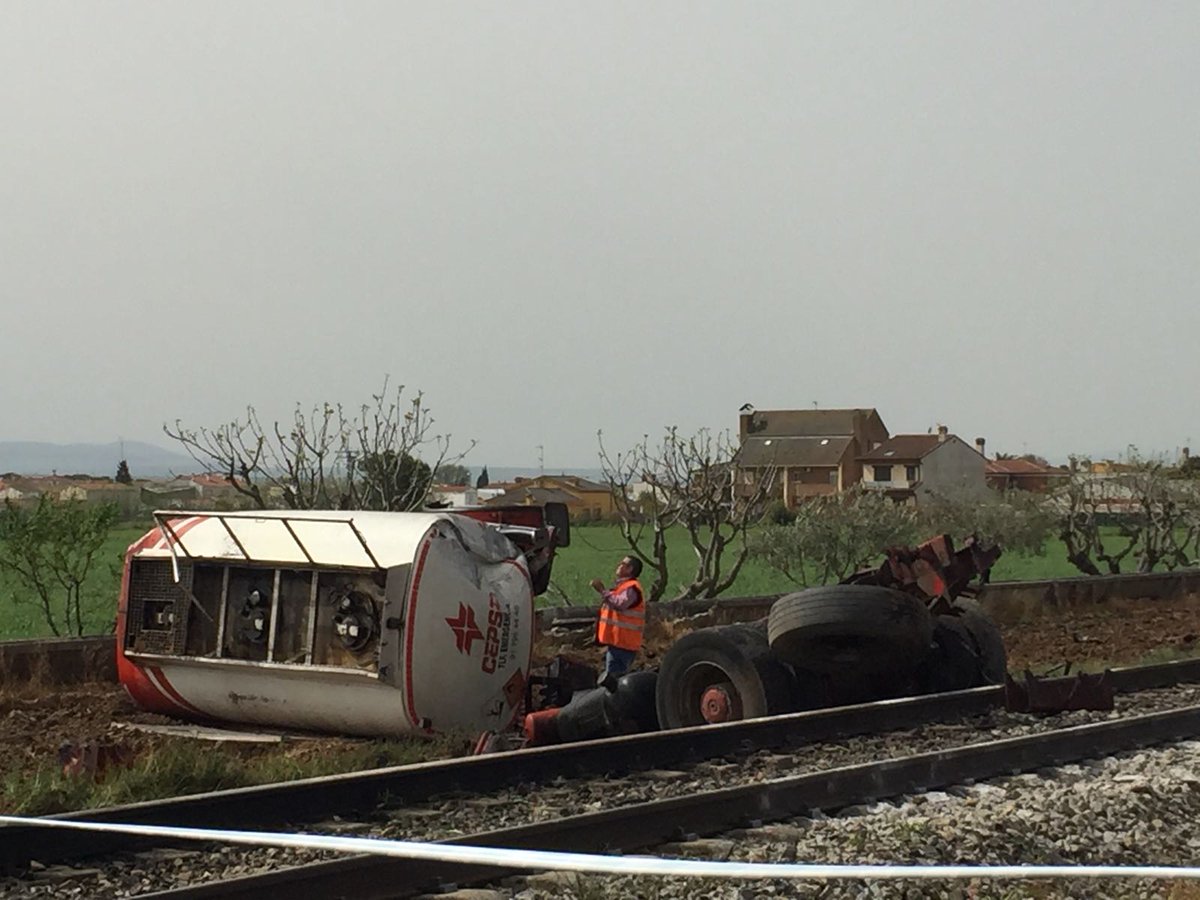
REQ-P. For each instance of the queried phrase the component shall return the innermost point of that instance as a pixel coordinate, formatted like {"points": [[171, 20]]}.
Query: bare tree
{"points": [[689, 482], [1136, 512], [328, 458]]}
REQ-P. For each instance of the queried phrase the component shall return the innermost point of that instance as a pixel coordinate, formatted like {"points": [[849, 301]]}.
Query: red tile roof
{"points": [[1021, 467]]}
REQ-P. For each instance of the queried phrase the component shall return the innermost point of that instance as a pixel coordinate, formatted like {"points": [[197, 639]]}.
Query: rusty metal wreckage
{"points": [[907, 626]]}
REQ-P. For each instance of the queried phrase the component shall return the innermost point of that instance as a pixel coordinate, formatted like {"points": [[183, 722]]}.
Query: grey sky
{"points": [[555, 218]]}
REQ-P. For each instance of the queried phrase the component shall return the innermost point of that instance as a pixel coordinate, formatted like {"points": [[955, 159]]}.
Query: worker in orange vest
{"points": [[622, 616]]}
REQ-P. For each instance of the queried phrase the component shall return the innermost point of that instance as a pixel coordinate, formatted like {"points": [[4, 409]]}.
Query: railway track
{"points": [[701, 781]]}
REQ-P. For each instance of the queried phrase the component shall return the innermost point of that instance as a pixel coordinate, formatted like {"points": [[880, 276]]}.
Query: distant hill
{"points": [[145, 460], [151, 461]]}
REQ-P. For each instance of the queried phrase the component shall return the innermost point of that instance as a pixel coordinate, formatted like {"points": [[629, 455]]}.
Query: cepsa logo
{"points": [[491, 644], [466, 632]]}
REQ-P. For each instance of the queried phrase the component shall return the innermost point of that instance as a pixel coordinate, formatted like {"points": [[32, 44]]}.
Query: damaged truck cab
{"points": [[366, 623]]}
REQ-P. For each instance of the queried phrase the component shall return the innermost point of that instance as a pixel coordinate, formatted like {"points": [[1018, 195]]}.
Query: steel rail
{"points": [[314, 798], [643, 825]]}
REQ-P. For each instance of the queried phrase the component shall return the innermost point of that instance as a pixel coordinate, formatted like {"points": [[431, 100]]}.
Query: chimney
{"points": [[745, 421], [979, 443], [942, 432]]}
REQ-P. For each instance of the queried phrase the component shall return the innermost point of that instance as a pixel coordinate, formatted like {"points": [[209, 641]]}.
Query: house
{"points": [[532, 495], [178, 493], [812, 451], [911, 467], [586, 500], [1023, 475], [215, 488]]}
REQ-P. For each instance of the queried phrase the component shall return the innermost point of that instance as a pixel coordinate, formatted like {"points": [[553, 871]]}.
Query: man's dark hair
{"points": [[635, 566]]}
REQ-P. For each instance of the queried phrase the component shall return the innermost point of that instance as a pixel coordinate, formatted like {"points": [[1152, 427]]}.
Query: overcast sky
{"points": [[556, 218]]}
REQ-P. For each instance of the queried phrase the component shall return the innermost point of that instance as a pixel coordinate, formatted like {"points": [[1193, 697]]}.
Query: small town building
{"points": [[912, 467], [809, 452]]}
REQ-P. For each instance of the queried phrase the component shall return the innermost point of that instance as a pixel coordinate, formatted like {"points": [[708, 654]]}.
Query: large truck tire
{"points": [[635, 700], [989, 643], [722, 674], [846, 630], [953, 664]]}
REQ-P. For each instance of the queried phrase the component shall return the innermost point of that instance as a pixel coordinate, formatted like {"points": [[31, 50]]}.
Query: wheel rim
{"points": [[708, 695], [720, 703]]}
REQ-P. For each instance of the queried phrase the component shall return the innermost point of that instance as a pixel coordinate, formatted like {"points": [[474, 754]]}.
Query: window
{"points": [[912, 473], [883, 473]]}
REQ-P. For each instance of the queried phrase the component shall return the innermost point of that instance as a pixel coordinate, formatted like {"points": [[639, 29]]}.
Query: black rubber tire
{"points": [[635, 701], [590, 714], [734, 655], [989, 643], [849, 629], [953, 664]]}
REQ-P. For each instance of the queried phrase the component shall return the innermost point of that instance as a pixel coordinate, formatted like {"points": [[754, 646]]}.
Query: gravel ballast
{"points": [[930, 824]]}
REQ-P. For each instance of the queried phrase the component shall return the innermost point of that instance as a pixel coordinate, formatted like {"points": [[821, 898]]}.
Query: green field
{"points": [[596, 549], [21, 616], [594, 553]]}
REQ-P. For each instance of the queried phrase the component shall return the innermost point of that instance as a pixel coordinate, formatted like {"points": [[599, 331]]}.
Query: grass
{"points": [[596, 549], [190, 767], [1157, 656]]}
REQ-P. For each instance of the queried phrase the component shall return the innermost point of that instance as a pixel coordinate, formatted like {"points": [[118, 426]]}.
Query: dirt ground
{"points": [[36, 722], [87, 727], [1114, 633]]}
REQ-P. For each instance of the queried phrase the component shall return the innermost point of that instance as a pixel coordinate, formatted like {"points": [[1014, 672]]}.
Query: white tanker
{"points": [[369, 623]]}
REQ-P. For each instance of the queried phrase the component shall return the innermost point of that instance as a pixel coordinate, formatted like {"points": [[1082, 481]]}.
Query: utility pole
{"points": [[541, 460]]}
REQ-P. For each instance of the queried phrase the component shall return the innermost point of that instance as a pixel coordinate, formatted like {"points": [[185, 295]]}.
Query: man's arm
{"points": [[621, 599]]}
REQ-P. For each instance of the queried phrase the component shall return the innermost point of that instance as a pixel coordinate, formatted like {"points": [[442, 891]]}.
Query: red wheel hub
{"points": [[720, 703]]}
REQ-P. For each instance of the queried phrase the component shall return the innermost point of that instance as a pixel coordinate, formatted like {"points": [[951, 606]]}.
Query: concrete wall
{"points": [[59, 661], [1016, 601]]}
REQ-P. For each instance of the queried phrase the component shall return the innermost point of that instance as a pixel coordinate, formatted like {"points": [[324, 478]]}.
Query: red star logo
{"points": [[464, 628]]}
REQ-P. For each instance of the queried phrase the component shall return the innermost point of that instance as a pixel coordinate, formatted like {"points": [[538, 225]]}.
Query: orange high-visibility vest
{"points": [[622, 627]]}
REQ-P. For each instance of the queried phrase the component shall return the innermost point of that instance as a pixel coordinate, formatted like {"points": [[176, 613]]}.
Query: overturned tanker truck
{"points": [[367, 623]]}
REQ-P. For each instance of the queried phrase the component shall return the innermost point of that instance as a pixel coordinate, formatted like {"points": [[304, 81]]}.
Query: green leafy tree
{"points": [[832, 536], [390, 481], [123, 476], [1018, 521], [452, 473], [51, 550], [482, 480]]}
